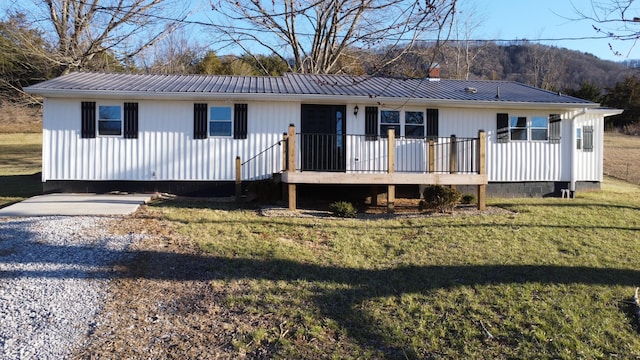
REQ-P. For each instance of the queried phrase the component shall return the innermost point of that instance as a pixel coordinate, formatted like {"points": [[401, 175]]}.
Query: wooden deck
{"points": [[390, 178]]}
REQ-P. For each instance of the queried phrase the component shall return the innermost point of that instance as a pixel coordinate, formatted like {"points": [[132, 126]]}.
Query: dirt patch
{"points": [[403, 208]]}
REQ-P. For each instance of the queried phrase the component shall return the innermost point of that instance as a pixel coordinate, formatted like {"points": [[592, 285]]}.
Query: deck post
{"points": [[432, 156], [238, 179], [391, 167], [284, 151], [482, 168], [291, 164], [453, 155]]}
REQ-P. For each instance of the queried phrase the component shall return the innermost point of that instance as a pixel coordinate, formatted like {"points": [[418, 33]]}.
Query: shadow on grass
{"points": [[21, 185], [341, 305]]}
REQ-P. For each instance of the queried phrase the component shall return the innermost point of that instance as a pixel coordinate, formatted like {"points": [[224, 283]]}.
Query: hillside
{"points": [[543, 66]]}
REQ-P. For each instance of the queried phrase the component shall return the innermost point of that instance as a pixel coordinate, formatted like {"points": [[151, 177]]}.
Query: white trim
{"points": [[105, 104]]}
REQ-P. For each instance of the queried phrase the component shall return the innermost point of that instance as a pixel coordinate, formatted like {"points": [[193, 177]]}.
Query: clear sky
{"points": [[549, 19]]}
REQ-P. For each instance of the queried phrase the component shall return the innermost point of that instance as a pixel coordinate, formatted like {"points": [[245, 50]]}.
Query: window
{"points": [[110, 120], [522, 128], [539, 128], [518, 125], [414, 124], [389, 119], [579, 138], [220, 121]]}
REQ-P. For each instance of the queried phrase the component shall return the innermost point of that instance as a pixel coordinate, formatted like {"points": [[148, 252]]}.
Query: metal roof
{"points": [[302, 85]]}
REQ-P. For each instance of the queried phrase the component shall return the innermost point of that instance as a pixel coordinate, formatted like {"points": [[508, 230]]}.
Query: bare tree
{"points": [[84, 31], [465, 50], [176, 53], [320, 35], [616, 19]]}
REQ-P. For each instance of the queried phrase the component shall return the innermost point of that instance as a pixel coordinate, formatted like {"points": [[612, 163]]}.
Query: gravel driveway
{"points": [[53, 277]]}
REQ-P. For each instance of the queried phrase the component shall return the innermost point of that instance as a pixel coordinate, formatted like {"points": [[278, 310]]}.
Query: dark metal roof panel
{"points": [[305, 84]]}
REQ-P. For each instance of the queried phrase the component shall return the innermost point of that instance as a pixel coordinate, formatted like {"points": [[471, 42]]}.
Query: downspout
{"points": [[574, 151]]}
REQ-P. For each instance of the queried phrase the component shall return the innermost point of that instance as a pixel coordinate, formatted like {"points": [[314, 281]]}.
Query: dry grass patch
{"points": [[20, 119], [621, 157]]}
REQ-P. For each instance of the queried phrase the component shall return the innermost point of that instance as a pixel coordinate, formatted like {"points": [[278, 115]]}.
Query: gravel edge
{"points": [[54, 273]]}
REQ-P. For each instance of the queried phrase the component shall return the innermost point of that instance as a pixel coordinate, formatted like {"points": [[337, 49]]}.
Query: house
{"points": [[182, 133]]}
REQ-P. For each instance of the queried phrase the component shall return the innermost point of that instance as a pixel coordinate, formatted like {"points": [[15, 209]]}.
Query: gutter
{"points": [[574, 151]]}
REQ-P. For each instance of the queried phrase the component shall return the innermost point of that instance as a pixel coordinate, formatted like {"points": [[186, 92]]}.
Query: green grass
{"points": [[552, 281], [20, 164]]}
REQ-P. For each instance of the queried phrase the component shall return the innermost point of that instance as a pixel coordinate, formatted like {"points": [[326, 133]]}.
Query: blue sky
{"points": [[495, 19], [535, 19]]}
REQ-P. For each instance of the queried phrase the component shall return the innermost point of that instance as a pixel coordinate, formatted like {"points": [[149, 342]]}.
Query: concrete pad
{"points": [[76, 205]]}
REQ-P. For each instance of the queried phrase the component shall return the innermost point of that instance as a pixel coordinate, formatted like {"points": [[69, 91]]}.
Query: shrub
{"points": [[343, 209], [468, 199], [632, 129], [440, 198]]}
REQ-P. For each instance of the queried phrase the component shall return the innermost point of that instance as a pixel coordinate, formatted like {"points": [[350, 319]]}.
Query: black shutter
{"points": [[240, 121], [130, 120], [555, 122], [432, 123], [88, 126], [371, 123], [199, 121], [502, 133], [587, 138]]}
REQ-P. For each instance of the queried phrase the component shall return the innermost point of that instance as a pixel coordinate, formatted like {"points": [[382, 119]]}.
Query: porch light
{"points": [[355, 111]]}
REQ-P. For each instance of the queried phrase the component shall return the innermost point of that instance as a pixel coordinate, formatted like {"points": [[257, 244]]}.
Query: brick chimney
{"points": [[434, 72]]}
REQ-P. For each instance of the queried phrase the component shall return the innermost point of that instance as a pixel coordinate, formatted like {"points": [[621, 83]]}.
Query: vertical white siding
{"points": [[589, 163], [512, 161], [165, 148]]}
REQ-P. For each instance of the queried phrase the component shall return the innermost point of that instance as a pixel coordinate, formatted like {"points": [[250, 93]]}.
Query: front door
{"points": [[323, 137]]}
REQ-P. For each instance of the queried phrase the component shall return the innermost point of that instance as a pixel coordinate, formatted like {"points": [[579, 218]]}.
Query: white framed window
{"points": [[389, 119], [539, 128], [110, 120], [522, 128], [579, 138], [414, 124], [220, 121], [518, 128]]}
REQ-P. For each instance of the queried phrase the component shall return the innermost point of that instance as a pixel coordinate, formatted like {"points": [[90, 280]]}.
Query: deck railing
{"points": [[364, 154]]}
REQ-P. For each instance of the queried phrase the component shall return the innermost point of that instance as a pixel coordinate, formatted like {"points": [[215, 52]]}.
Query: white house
{"points": [[181, 133]]}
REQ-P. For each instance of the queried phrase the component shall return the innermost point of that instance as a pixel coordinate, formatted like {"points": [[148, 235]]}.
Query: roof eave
{"points": [[382, 101]]}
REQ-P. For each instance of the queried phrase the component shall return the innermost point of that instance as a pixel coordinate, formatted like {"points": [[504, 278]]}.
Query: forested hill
{"points": [[544, 66]]}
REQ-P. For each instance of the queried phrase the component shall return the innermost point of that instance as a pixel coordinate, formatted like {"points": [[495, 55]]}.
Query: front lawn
{"points": [[552, 280], [20, 166]]}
